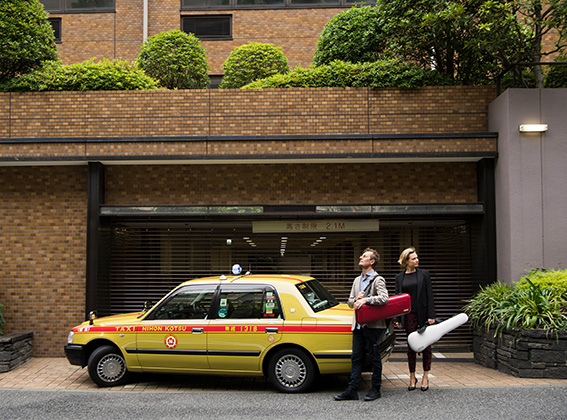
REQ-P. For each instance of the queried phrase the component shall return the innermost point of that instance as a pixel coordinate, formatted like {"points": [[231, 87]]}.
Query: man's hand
{"points": [[359, 302]]}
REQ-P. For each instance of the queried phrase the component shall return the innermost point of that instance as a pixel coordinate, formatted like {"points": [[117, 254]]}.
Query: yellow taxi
{"points": [[286, 327]]}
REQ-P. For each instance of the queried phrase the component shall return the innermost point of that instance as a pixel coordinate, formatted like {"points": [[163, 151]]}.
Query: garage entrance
{"points": [[143, 260]]}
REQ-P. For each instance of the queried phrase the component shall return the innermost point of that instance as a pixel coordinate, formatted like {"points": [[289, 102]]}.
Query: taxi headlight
{"points": [[70, 337]]}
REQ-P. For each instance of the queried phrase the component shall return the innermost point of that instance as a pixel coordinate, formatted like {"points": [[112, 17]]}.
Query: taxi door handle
{"points": [[272, 330], [197, 331]]}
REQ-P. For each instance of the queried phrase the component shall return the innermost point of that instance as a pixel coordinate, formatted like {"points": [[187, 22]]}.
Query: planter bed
{"points": [[15, 349], [529, 354]]}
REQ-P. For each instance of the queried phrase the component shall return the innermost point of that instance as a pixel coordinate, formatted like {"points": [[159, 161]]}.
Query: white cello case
{"points": [[419, 341]]}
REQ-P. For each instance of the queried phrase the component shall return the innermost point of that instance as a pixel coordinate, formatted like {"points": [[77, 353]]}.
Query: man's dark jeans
{"points": [[366, 347]]}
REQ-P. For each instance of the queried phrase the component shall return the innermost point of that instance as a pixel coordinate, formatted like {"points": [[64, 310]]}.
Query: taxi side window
{"points": [[187, 304], [257, 303]]}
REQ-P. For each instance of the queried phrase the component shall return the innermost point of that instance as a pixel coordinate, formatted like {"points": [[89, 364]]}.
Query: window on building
{"points": [[208, 27], [247, 4], [56, 25], [315, 2], [78, 5], [260, 3], [198, 4]]}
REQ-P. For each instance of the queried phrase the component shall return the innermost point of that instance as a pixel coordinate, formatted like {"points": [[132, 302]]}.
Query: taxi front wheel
{"points": [[291, 370], [107, 367]]}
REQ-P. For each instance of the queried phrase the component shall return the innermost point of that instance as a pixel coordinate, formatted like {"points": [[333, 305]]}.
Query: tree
{"points": [[251, 62], [26, 37], [533, 21], [176, 59], [556, 77], [355, 35], [441, 34], [473, 40]]}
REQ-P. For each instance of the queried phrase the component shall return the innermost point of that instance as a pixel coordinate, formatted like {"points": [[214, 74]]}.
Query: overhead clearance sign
{"points": [[307, 226]]}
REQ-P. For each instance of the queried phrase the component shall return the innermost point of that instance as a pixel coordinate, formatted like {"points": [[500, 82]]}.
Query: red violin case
{"points": [[397, 305]]}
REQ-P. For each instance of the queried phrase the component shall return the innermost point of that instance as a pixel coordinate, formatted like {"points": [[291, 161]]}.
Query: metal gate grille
{"points": [[143, 261]]}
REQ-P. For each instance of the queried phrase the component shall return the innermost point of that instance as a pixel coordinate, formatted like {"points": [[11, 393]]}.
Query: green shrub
{"points": [[354, 35], [2, 320], [556, 77], [481, 309], [176, 59], [251, 62], [88, 75], [508, 308], [384, 73], [556, 280], [26, 37]]}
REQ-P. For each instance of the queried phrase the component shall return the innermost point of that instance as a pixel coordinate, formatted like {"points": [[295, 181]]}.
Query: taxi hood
{"points": [[113, 320]]}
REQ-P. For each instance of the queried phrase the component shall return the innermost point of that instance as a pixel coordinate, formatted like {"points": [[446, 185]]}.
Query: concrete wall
{"points": [[531, 192]]}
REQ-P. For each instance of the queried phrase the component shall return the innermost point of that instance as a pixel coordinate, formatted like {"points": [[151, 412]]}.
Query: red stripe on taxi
{"points": [[213, 329]]}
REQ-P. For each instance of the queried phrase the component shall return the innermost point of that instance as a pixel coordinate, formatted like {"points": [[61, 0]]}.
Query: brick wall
{"points": [[234, 112], [292, 184], [42, 243]]}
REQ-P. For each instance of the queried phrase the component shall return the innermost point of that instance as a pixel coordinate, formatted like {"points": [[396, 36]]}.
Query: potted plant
{"points": [[521, 328]]}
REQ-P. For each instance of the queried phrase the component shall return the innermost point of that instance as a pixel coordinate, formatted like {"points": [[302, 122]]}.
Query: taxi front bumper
{"points": [[75, 354]]}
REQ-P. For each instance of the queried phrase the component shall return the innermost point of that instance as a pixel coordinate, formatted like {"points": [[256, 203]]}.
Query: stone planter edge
{"points": [[15, 349]]}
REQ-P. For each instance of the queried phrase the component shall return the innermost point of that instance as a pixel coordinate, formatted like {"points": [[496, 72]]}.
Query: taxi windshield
{"points": [[316, 295]]}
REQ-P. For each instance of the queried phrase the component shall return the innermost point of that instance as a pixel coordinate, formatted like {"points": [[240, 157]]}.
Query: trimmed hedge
{"points": [[383, 73], [85, 76], [251, 62], [26, 37], [176, 59], [354, 35]]}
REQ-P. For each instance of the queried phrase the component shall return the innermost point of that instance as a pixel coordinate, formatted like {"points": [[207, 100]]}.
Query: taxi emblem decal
{"points": [[170, 341]]}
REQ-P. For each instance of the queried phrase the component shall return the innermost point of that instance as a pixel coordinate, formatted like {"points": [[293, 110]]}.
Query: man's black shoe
{"points": [[349, 394], [372, 395]]}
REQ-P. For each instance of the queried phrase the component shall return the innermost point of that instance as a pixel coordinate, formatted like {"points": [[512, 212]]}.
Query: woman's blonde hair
{"points": [[404, 256]]}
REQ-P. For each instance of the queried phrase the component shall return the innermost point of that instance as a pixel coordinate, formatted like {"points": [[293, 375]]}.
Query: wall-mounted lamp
{"points": [[532, 128]]}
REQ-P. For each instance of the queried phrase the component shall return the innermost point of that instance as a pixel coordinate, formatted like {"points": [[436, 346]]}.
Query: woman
{"points": [[417, 284]]}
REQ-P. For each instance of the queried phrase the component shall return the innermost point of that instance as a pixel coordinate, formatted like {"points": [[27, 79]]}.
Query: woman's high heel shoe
{"points": [[424, 388], [411, 388]]}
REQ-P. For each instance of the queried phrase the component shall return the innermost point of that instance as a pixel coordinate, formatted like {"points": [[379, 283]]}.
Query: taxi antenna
{"points": [[239, 277]]}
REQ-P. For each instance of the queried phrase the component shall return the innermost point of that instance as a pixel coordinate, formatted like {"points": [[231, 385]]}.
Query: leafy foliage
{"points": [[251, 62], [2, 320], [355, 35], [88, 75], [553, 279], [482, 308], [445, 35], [26, 37], [176, 59], [556, 77], [385, 73], [508, 308]]}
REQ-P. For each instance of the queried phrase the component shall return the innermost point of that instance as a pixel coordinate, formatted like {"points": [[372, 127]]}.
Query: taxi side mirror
{"points": [[92, 317], [148, 305]]}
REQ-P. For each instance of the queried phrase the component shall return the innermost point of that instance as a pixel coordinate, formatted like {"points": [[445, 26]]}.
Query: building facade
{"points": [[113, 198], [117, 28]]}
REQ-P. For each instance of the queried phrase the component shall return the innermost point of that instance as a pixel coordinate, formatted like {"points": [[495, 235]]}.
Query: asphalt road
{"points": [[541, 402]]}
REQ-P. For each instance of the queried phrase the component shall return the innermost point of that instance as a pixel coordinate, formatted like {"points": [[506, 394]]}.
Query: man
{"points": [[367, 289]]}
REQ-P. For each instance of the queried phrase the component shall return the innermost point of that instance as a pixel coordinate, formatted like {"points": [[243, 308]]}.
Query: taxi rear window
{"points": [[316, 295]]}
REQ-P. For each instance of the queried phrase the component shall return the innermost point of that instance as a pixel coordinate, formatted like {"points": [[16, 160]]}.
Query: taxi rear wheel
{"points": [[107, 367], [291, 370]]}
